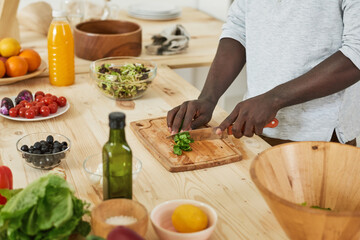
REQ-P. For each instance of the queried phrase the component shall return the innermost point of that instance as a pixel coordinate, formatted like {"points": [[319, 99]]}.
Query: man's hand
{"points": [[250, 116], [191, 114]]}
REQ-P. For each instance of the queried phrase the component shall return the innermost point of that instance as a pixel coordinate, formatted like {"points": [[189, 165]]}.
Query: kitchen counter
{"points": [[242, 211], [203, 29]]}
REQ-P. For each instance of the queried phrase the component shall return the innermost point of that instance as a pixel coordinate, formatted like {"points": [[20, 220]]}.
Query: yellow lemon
{"points": [[9, 47], [188, 218]]}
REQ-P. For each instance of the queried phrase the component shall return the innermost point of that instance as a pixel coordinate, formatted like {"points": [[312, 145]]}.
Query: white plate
{"points": [[60, 111]]}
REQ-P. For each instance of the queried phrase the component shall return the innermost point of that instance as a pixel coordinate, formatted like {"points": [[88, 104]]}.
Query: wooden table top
{"points": [[204, 30], [243, 214]]}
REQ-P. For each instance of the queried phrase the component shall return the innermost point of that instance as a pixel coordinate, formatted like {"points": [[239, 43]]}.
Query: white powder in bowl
{"points": [[121, 220]]}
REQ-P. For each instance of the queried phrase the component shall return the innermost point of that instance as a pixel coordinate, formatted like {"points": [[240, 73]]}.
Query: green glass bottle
{"points": [[117, 161]]}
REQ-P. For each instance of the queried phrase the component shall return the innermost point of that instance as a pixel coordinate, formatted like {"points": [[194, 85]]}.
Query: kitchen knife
{"points": [[209, 133]]}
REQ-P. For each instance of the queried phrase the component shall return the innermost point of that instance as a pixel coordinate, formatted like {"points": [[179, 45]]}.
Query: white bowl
{"points": [[92, 166], [161, 220]]}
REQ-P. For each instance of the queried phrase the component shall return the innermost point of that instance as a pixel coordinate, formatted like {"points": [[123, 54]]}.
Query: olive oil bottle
{"points": [[117, 161]]}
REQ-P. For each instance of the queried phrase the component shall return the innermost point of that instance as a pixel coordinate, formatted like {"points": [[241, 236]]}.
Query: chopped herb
{"points": [[316, 207], [182, 142]]}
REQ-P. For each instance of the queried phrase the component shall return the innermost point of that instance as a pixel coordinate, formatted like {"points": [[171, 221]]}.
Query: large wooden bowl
{"points": [[107, 38], [318, 173]]}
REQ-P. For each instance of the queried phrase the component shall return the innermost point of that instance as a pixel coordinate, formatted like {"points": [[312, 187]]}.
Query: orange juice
{"points": [[61, 51]]}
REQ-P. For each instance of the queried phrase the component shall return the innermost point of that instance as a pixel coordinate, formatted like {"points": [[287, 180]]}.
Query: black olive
{"points": [[63, 148], [64, 144], [36, 162], [42, 163], [57, 145], [50, 139], [24, 148], [37, 151], [37, 145], [31, 150], [49, 161], [56, 150], [28, 159], [62, 155]]}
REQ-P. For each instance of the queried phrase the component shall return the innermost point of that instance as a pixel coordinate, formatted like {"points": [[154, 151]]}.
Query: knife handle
{"points": [[271, 124]]}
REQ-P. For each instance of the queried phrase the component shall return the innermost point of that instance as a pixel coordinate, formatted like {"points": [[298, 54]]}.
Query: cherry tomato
{"points": [[48, 101], [44, 111], [53, 108], [13, 112], [36, 110], [48, 95], [61, 101], [37, 98], [39, 93], [28, 105], [22, 111], [29, 114], [54, 98], [40, 104], [18, 106], [23, 102]]}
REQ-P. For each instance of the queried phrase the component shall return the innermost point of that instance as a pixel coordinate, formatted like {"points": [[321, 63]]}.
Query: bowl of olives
{"points": [[43, 150]]}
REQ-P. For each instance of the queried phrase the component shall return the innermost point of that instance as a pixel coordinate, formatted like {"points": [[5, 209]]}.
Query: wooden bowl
{"points": [[318, 173], [107, 38], [118, 207]]}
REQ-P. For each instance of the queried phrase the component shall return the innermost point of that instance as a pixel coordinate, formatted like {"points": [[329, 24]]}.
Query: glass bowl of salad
{"points": [[123, 78]]}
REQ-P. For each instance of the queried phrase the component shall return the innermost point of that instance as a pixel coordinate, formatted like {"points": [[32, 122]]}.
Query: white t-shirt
{"points": [[284, 39]]}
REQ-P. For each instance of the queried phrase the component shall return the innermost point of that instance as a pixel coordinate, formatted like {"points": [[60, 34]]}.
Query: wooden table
{"points": [[204, 30], [242, 211]]}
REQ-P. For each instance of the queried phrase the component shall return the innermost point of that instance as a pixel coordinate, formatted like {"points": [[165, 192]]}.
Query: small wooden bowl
{"points": [[118, 207], [107, 38], [318, 173]]}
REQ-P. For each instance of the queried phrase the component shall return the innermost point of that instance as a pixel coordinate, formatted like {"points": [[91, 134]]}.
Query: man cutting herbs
{"points": [[303, 67]]}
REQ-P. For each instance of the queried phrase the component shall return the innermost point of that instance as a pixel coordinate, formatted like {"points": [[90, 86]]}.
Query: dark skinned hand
{"points": [[194, 113], [250, 116]]}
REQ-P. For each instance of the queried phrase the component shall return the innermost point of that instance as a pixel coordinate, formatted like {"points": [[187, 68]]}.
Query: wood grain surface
{"points": [[204, 30], [109, 38], [153, 132], [316, 173], [243, 214]]}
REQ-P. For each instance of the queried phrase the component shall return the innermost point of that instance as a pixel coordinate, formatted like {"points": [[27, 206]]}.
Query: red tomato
{"points": [[13, 112], [37, 98], [29, 114], [36, 110], [28, 105], [54, 98], [61, 101], [23, 102], [53, 108], [40, 104], [48, 95], [48, 100], [18, 106], [39, 93], [44, 111], [22, 111]]}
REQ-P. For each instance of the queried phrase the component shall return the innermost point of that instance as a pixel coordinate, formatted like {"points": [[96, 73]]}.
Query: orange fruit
{"points": [[32, 58], [2, 69], [188, 218], [16, 66]]}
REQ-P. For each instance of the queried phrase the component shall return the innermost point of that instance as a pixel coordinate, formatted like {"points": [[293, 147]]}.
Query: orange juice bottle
{"points": [[61, 51]]}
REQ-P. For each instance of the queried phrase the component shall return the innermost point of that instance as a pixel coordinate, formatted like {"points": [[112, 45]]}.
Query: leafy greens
{"points": [[182, 142], [45, 210], [124, 81]]}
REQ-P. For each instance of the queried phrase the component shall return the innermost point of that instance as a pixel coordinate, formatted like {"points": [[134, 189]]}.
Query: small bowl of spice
{"points": [[123, 78], [119, 212]]}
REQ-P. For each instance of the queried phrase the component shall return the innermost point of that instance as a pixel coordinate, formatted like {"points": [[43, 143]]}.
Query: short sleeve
{"points": [[235, 24], [351, 35]]}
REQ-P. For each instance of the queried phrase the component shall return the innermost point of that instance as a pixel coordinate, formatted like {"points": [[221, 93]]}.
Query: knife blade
{"points": [[209, 133]]}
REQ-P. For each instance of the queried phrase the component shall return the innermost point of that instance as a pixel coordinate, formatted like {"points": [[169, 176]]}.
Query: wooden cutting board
{"points": [[153, 132]]}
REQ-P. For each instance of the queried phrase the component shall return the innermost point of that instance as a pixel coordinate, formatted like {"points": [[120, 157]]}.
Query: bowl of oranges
{"points": [[183, 219], [18, 64]]}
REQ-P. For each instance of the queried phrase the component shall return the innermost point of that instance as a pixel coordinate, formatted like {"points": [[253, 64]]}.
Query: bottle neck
{"points": [[117, 135], [60, 19]]}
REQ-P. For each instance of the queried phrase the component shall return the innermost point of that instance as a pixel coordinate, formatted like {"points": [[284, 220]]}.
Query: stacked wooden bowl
{"points": [[317, 174]]}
